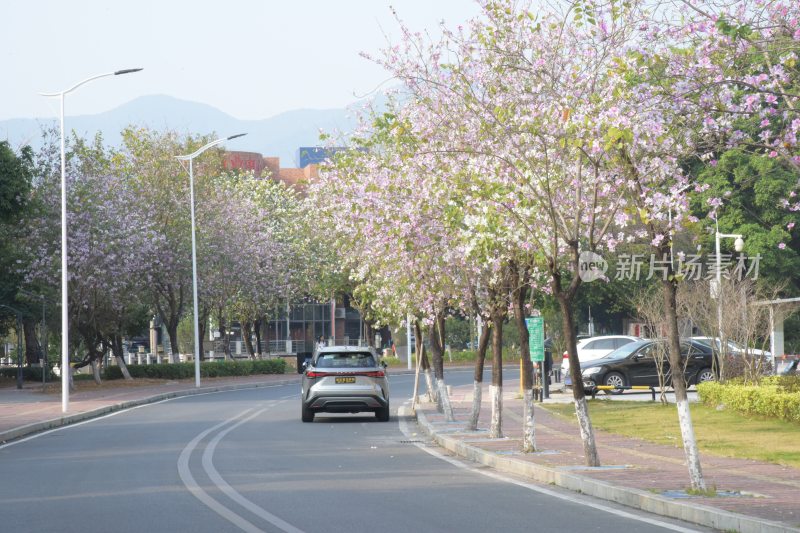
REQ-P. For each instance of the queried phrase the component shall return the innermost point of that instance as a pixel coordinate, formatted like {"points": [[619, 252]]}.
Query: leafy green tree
{"points": [[16, 171], [752, 185]]}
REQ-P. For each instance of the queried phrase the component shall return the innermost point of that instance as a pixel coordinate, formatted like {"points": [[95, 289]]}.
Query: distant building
{"points": [[270, 167], [315, 155], [295, 328]]}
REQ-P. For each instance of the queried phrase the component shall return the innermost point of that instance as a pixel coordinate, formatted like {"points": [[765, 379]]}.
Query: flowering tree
{"points": [[104, 241], [686, 92], [162, 192], [521, 97], [249, 259], [400, 254]]}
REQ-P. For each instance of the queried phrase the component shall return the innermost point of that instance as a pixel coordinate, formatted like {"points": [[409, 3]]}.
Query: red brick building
{"points": [[270, 167]]}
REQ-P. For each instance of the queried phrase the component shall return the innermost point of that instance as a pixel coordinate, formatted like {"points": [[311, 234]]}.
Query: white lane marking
{"points": [[126, 409], [208, 466], [574, 498], [199, 493]]}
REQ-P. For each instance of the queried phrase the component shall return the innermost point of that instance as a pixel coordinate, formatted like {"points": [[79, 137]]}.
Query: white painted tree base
{"points": [[528, 421], [690, 446], [587, 433], [444, 401], [496, 426], [429, 384], [472, 425]]}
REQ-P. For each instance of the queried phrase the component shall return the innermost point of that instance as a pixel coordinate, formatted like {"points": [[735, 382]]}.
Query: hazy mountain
{"points": [[280, 135]]}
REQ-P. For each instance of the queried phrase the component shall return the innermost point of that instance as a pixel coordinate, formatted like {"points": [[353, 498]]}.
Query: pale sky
{"points": [[251, 59]]}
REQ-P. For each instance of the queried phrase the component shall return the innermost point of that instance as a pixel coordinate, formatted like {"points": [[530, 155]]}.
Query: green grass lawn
{"points": [[724, 433]]}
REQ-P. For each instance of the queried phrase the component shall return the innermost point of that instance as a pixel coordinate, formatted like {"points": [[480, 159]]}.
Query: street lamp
{"points": [[190, 158], [65, 369], [738, 245]]}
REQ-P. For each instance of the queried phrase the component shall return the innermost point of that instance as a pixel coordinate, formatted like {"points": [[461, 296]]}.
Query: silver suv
{"points": [[345, 379]]}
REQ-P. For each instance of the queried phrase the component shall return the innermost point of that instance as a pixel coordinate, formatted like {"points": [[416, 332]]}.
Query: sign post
{"points": [[536, 345], [536, 338]]}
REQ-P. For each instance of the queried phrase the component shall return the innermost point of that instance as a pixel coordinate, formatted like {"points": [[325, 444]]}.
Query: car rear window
{"points": [[345, 360], [603, 344]]}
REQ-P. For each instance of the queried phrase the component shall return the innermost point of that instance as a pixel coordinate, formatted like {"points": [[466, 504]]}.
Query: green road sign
{"points": [[536, 337]]}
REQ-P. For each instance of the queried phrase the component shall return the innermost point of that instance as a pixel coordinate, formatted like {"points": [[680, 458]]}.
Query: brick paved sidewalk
{"points": [[30, 410], [653, 475]]}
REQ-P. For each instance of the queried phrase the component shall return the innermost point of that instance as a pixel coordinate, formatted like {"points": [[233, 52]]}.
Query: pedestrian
{"points": [[320, 342]]}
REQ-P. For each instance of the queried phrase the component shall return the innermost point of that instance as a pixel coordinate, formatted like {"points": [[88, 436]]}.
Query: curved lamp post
{"points": [[190, 159], [738, 245], [65, 368]]}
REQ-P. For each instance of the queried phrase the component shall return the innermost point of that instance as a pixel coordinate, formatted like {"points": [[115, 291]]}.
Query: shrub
{"points": [[29, 373], [775, 397], [207, 369]]}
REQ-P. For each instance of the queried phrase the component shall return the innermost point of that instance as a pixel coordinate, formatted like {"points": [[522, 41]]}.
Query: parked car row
{"points": [[733, 347], [593, 348], [623, 361], [646, 363]]}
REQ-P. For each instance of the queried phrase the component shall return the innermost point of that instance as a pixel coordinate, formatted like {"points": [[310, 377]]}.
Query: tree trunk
{"points": [[581, 408], [96, 371], [172, 331], [369, 333], [426, 366], [679, 386], [119, 356], [437, 347], [496, 426], [247, 331], [257, 328], [201, 331], [223, 337], [33, 350], [417, 368], [519, 295], [477, 384]]}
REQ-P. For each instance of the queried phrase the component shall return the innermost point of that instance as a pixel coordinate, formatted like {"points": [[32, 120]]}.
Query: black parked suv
{"points": [[637, 364]]}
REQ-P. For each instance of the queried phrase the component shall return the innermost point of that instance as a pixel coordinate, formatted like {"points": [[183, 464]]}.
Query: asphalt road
{"points": [[242, 460]]}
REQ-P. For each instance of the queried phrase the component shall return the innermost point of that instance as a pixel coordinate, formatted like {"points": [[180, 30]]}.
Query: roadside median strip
{"points": [[569, 477]]}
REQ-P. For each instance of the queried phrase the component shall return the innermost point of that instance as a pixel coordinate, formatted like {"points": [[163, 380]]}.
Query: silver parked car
{"points": [[345, 379]]}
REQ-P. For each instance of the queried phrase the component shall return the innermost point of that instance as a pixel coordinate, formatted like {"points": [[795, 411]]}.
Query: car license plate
{"points": [[346, 379]]}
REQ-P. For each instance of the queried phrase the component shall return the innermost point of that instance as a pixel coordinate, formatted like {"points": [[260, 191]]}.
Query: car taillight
{"points": [[375, 374], [315, 374]]}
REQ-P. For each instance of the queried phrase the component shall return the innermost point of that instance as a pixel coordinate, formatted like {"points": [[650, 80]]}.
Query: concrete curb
{"points": [[638, 499], [37, 427]]}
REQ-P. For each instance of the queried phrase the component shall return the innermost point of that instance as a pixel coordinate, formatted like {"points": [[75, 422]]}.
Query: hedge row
{"points": [[776, 397], [207, 370], [28, 373]]}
